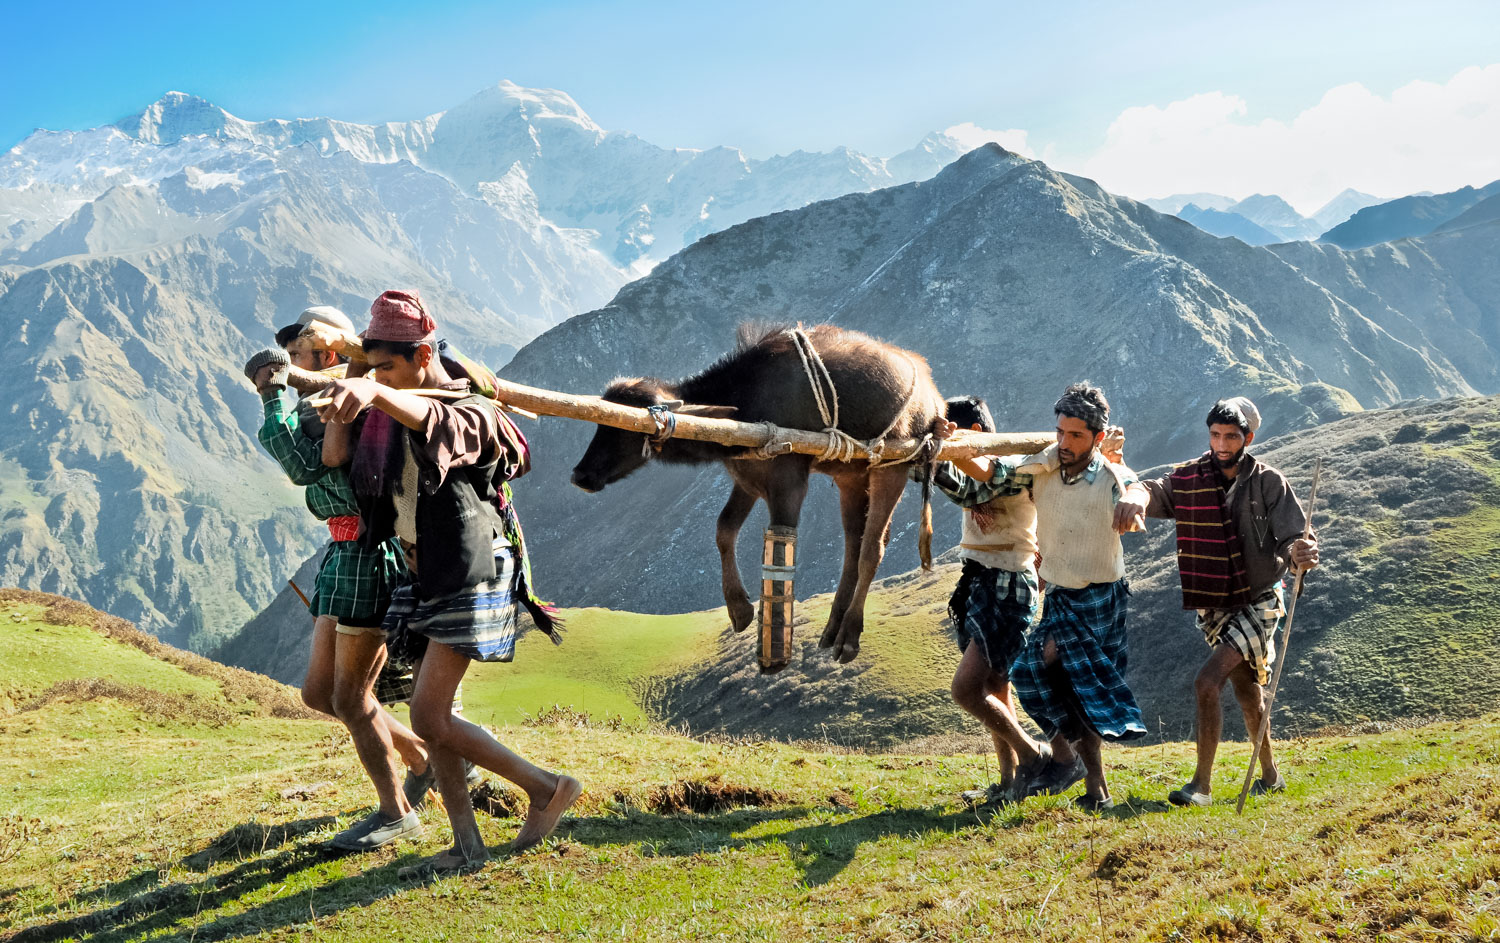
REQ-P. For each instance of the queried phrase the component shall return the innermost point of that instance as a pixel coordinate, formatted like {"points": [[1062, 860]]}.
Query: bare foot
{"points": [[445, 863], [541, 821]]}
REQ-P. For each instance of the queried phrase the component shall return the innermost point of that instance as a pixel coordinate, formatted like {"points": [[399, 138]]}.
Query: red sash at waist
{"points": [[344, 528]]}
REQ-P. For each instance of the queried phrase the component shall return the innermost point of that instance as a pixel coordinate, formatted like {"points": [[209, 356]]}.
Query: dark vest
{"points": [[457, 520]]}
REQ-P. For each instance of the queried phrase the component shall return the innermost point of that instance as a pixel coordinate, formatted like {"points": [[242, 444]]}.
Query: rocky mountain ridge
{"points": [[1012, 280]]}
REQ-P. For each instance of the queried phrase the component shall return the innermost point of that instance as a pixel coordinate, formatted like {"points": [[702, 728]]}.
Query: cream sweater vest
{"points": [[1075, 524], [1010, 541]]}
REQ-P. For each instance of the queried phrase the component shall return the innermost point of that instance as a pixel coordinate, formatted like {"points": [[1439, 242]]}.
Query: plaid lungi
{"points": [[479, 622], [355, 582], [993, 608], [397, 682], [1249, 630], [1086, 688]]}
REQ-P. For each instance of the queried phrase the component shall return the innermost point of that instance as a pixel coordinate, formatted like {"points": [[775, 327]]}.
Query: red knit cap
{"points": [[399, 316]]}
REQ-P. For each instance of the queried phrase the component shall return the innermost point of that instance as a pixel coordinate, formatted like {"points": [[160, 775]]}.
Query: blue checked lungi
{"points": [[1087, 686], [479, 622]]}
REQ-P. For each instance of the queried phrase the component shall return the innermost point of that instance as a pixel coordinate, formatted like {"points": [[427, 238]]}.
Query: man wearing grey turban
{"points": [[1239, 528]]}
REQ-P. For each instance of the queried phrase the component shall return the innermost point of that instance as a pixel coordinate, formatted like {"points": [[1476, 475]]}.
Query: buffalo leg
{"points": [[854, 507], [786, 487], [886, 485], [731, 519]]}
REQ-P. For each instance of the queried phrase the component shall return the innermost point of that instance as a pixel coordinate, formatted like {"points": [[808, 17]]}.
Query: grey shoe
{"points": [[993, 795], [1056, 777], [417, 786], [1090, 803], [1260, 787], [1027, 773], [374, 831], [1188, 797]]}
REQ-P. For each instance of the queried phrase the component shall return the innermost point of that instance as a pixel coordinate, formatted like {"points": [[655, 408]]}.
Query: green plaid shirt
{"points": [[971, 492], [328, 491]]}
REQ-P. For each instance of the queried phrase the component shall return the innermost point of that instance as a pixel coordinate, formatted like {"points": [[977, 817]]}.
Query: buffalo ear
{"points": [[672, 405], [707, 412]]}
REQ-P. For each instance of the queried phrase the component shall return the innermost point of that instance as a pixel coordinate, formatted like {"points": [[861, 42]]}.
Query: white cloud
{"points": [[1425, 136], [971, 135]]}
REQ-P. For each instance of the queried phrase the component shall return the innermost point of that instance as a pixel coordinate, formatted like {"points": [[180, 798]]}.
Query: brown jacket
{"points": [[1265, 511]]}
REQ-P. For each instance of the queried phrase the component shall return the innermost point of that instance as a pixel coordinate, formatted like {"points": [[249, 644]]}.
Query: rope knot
{"points": [[666, 424]]}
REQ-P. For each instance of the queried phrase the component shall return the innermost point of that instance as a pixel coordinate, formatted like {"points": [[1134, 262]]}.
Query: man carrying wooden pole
{"points": [[352, 590], [1069, 671], [1239, 528]]}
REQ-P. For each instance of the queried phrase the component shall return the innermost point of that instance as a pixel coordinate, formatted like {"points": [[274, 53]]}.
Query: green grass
{"points": [[38, 654], [122, 825], [606, 659]]}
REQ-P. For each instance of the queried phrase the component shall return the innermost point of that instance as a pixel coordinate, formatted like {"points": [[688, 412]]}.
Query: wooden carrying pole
{"points": [[1291, 611], [751, 434], [522, 398], [963, 444]]}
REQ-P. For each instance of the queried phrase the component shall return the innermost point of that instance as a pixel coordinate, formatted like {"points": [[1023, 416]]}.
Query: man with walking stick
{"points": [[1239, 528]]}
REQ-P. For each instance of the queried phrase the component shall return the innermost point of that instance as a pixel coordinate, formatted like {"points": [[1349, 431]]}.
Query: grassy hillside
{"points": [[692, 672], [129, 819]]}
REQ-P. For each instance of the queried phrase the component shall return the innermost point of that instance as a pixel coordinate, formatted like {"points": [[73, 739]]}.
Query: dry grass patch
{"points": [[158, 705], [260, 694]]}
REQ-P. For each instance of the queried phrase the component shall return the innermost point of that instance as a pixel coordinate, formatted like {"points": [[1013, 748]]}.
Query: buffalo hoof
{"points": [[741, 613], [846, 646], [830, 635], [846, 651]]}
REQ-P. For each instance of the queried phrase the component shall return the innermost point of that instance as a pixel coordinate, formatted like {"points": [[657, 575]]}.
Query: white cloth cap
{"points": [[1246, 409], [327, 314]]}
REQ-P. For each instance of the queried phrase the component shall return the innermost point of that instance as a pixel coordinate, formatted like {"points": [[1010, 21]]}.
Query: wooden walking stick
{"points": [[1291, 611], [300, 595]]}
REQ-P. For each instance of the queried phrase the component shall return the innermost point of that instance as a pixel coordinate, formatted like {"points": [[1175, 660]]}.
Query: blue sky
{"points": [[769, 77]]}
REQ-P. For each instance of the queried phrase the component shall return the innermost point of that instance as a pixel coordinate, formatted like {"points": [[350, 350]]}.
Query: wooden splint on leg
{"points": [[778, 570]]}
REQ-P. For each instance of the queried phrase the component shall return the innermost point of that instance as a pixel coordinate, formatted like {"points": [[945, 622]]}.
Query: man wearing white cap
{"points": [[352, 590], [313, 341], [1239, 528]]}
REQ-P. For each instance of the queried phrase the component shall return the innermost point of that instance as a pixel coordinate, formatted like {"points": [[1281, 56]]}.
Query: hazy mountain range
{"points": [[1416, 216], [141, 262], [1351, 220], [1261, 219]]}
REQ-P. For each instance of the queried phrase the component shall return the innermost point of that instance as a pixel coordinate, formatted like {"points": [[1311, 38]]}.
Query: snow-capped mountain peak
{"points": [[177, 115]]}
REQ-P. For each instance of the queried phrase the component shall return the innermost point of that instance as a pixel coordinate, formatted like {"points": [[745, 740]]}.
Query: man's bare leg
{"points": [[1090, 747], [975, 690], [413, 751], [999, 688], [1252, 698], [451, 740], [1207, 687], [317, 685], [356, 707]]}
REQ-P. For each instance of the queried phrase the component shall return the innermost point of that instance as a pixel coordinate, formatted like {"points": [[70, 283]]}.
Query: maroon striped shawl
{"points": [[1208, 543]]}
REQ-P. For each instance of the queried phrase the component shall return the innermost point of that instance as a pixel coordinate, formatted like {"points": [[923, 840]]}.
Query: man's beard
{"points": [[1233, 461]]}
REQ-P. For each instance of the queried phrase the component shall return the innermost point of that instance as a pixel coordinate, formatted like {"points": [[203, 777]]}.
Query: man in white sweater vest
{"points": [[1069, 675], [994, 602]]}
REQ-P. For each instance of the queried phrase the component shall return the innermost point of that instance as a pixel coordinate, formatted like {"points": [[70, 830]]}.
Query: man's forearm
{"points": [[980, 467], [411, 411]]}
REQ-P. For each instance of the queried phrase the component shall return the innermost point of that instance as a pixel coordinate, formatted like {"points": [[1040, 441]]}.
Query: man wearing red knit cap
{"points": [[433, 471]]}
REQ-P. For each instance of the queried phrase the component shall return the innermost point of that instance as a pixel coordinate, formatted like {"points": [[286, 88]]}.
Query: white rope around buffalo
{"points": [[842, 447]]}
